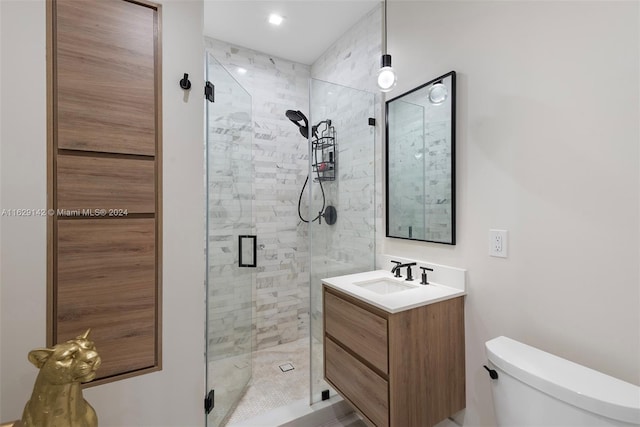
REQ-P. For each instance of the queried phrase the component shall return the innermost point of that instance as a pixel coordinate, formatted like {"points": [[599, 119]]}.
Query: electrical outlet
{"points": [[498, 243]]}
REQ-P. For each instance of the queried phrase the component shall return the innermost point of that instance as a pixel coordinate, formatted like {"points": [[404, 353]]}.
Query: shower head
{"points": [[296, 117]]}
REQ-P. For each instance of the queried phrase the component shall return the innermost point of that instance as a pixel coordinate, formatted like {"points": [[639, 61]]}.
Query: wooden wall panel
{"points": [[105, 68], [105, 152], [106, 281], [106, 183]]}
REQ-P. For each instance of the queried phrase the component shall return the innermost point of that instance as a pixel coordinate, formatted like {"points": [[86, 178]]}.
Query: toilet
{"points": [[536, 388]]}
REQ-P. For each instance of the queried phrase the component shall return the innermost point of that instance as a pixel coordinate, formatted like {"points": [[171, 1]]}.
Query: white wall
{"points": [[548, 148], [23, 185], [173, 396]]}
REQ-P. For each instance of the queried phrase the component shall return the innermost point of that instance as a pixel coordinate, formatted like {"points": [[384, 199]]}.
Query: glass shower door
{"points": [[348, 245], [230, 242]]}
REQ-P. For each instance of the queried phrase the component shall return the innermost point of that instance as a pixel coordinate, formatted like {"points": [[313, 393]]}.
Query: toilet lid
{"points": [[575, 384]]}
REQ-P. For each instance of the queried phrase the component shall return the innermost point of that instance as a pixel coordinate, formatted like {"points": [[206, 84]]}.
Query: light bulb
{"points": [[386, 76], [438, 93], [275, 19], [386, 79]]}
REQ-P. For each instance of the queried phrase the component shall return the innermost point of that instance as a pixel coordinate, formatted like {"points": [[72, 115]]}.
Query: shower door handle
{"points": [[247, 250]]}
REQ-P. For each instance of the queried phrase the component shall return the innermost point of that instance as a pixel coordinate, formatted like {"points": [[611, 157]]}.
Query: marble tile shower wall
{"points": [[280, 167], [348, 246], [229, 208], [352, 61], [280, 163]]}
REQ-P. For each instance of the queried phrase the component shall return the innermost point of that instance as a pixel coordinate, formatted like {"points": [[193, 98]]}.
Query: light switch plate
{"points": [[498, 243]]}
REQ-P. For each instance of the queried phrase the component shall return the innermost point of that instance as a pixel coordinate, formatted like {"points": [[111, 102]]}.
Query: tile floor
{"points": [[270, 387], [350, 421]]}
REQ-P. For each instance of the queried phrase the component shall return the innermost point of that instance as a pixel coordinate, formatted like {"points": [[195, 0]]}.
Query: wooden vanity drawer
{"points": [[359, 384], [362, 331]]}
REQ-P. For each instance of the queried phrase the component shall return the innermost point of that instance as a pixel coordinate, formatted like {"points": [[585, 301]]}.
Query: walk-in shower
{"points": [[256, 165]]}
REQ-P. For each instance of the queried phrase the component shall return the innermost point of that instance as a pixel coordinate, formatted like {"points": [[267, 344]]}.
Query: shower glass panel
{"points": [[347, 246], [230, 225]]}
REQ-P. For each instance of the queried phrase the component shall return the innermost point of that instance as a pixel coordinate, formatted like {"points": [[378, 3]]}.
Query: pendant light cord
{"points": [[384, 29]]}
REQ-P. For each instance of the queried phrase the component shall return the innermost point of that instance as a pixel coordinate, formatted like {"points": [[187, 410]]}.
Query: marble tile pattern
{"points": [[271, 388], [279, 163], [354, 59], [229, 212], [406, 166], [349, 246]]}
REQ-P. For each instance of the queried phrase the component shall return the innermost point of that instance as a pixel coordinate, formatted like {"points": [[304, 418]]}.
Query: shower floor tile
{"points": [[272, 388]]}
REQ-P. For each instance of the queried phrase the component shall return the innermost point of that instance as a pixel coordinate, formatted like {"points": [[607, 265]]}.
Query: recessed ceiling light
{"points": [[242, 70], [275, 19]]}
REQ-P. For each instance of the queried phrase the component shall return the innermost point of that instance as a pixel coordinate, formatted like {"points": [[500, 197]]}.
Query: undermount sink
{"points": [[381, 289], [384, 286]]}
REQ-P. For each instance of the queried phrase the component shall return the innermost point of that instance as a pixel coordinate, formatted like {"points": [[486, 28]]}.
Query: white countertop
{"points": [[393, 302]]}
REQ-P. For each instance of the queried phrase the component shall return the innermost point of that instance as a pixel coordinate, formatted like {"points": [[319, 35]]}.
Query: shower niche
{"points": [[324, 154]]}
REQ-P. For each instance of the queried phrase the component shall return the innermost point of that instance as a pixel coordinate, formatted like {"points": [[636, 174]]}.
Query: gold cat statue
{"points": [[57, 399]]}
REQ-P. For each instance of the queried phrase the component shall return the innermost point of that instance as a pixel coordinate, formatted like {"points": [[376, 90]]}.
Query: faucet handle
{"points": [[424, 275], [409, 273], [396, 268]]}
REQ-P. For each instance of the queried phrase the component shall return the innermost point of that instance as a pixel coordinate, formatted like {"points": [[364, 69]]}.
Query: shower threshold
{"points": [[301, 414]]}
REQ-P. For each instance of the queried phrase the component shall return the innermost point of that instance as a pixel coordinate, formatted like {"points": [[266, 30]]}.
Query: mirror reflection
{"points": [[420, 162]]}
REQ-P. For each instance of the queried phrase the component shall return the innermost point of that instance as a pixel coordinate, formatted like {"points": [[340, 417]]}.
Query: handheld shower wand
{"points": [[296, 117]]}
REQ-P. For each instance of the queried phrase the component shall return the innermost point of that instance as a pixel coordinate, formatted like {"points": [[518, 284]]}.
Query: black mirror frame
{"points": [[451, 74]]}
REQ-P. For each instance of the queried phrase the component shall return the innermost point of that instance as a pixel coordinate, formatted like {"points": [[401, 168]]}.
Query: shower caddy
{"points": [[323, 150]]}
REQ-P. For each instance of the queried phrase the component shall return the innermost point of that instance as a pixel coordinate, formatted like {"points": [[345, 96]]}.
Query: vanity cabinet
{"points": [[403, 369]]}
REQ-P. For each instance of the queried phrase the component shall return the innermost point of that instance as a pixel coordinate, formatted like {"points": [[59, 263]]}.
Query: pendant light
{"points": [[386, 75]]}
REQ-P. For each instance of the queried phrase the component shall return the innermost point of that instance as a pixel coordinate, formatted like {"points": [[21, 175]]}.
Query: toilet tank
{"points": [[536, 388]]}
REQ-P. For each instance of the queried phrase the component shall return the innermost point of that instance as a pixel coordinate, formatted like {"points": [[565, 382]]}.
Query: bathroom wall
{"points": [[174, 395], [548, 131], [355, 56], [280, 164]]}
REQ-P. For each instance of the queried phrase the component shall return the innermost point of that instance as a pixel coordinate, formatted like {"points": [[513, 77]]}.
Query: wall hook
{"points": [[185, 83]]}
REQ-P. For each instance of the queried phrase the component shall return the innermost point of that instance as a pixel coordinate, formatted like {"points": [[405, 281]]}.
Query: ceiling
{"points": [[309, 28]]}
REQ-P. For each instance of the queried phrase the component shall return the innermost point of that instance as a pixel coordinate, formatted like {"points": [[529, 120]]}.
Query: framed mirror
{"points": [[420, 162]]}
